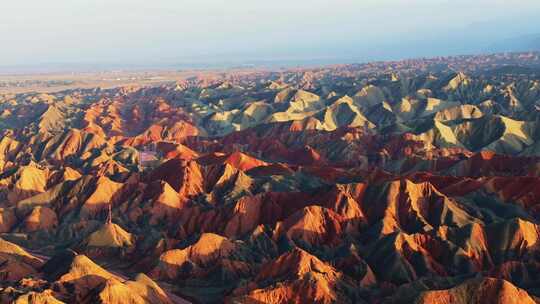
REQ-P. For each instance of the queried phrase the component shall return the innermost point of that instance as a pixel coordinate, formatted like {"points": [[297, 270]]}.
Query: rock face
{"points": [[209, 248], [478, 291], [40, 218], [16, 263], [314, 225], [401, 182], [110, 235], [297, 277], [77, 279], [45, 297]]}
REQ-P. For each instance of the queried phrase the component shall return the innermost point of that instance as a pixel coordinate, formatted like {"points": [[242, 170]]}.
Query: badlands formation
{"points": [[392, 182]]}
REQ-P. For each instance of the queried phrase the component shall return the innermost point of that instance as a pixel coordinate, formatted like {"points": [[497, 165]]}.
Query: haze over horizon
{"points": [[166, 33]]}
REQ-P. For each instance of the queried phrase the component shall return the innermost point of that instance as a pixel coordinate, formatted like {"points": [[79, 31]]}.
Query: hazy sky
{"points": [[154, 32]]}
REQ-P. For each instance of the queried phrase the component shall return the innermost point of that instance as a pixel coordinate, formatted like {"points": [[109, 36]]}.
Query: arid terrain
{"points": [[50, 82], [413, 181]]}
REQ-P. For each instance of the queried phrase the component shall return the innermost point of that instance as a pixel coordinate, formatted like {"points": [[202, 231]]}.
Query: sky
{"points": [[144, 33]]}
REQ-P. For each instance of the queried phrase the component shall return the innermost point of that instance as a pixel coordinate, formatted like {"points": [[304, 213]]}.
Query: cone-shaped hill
{"points": [[110, 235]]}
